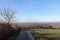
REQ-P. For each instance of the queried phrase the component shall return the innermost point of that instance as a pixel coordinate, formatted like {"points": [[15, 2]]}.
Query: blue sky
{"points": [[34, 10]]}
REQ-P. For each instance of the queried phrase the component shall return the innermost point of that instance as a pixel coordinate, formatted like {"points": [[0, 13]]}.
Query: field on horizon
{"points": [[46, 34]]}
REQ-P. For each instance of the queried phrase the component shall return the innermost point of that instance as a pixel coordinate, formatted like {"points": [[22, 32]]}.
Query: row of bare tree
{"points": [[6, 29]]}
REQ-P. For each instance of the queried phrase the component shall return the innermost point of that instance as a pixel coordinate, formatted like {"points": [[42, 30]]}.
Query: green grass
{"points": [[49, 33]]}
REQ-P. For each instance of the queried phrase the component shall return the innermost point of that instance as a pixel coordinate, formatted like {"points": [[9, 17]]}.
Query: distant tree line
{"points": [[41, 27]]}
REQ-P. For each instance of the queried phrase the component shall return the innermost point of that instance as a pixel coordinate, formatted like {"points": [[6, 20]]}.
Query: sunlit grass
{"points": [[49, 33]]}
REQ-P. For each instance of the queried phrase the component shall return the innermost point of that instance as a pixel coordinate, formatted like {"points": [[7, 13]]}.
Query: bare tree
{"points": [[7, 14]]}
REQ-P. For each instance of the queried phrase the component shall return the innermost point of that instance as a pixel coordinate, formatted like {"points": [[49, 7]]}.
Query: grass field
{"points": [[48, 34]]}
